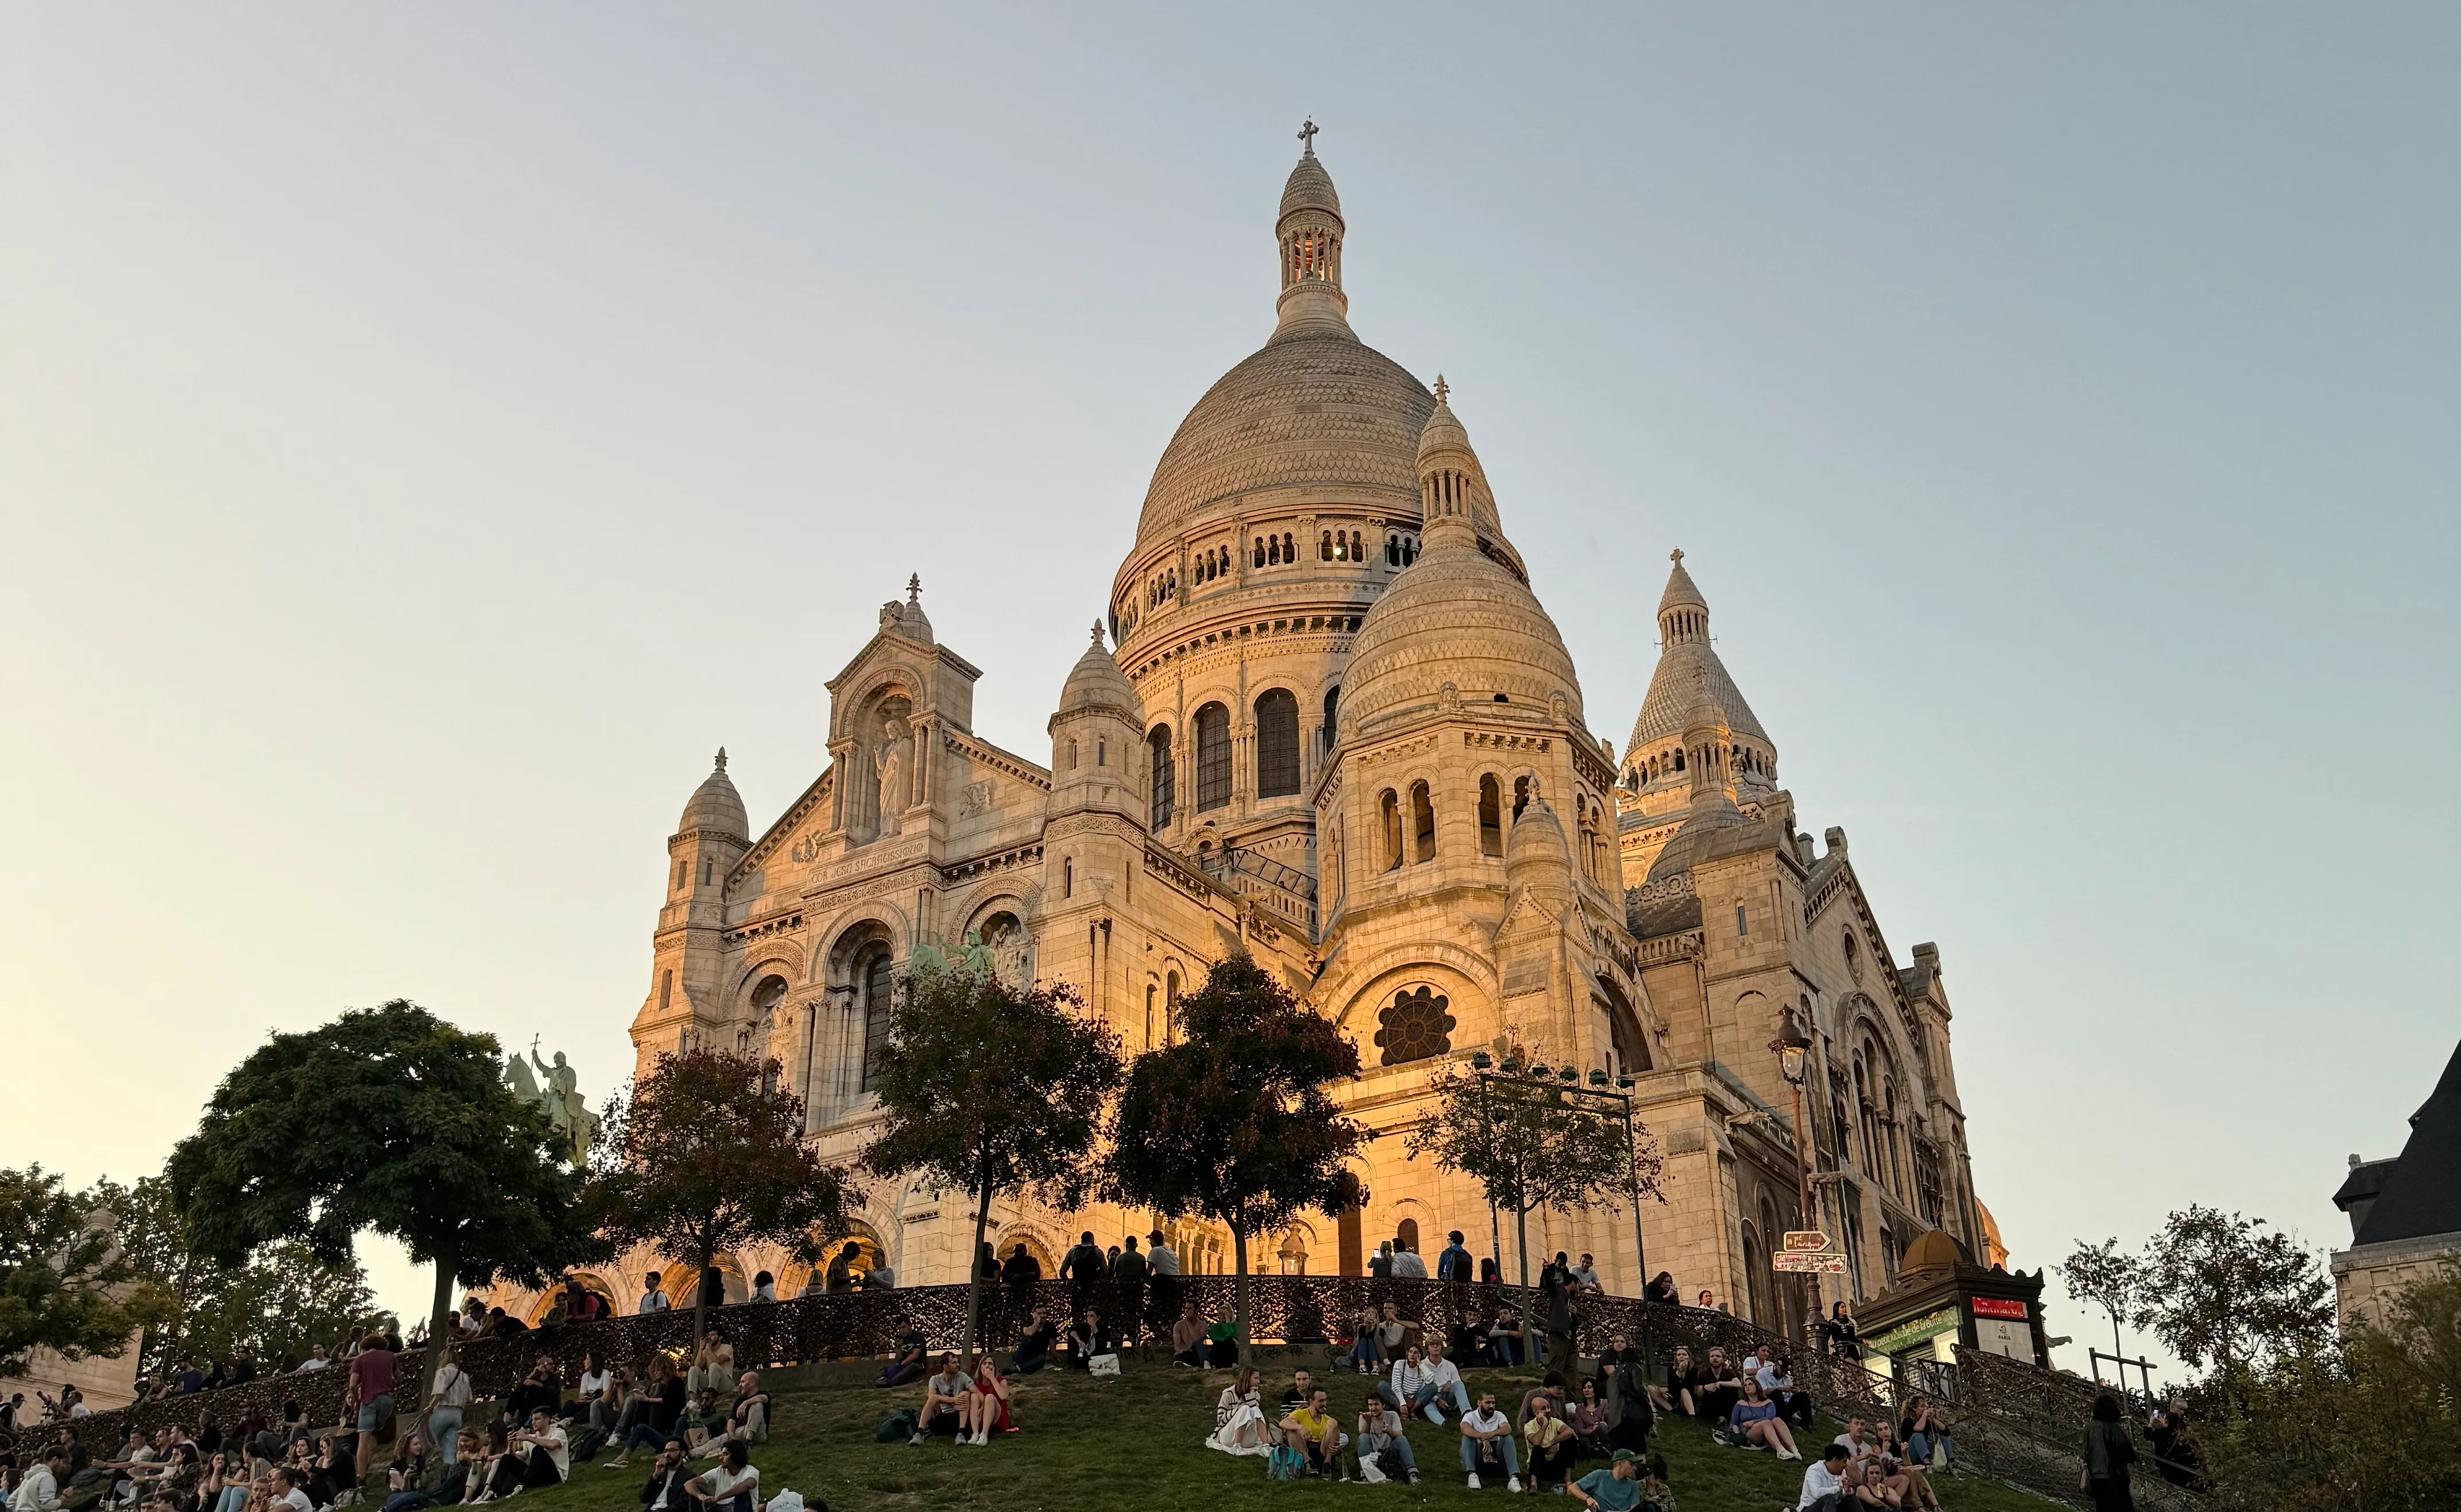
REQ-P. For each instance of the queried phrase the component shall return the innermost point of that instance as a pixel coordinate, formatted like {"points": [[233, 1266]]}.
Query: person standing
{"points": [[1406, 1264], [372, 1383], [1555, 1285], [1161, 1274], [1660, 1289], [2108, 1451], [1379, 1264], [1128, 1275], [1083, 1269], [1453, 1264], [452, 1396]]}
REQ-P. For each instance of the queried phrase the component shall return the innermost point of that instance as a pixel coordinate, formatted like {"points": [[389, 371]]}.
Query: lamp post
{"points": [[1567, 1081], [1793, 1047], [1479, 1064]]}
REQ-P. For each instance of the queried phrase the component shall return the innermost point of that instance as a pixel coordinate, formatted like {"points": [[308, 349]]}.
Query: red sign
{"points": [[1998, 1308]]}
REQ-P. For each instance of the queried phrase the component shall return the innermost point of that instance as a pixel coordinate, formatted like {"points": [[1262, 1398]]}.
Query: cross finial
{"points": [[1097, 632], [914, 588], [1676, 556], [1307, 136], [1441, 389], [722, 758]]}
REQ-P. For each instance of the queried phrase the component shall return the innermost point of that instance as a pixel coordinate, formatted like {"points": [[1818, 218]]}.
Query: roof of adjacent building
{"points": [[2421, 1194]]}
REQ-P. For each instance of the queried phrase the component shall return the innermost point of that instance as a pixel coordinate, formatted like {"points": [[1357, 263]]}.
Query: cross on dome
{"points": [[1307, 136], [1676, 556], [722, 758], [1097, 632], [1441, 389], [914, 587]]}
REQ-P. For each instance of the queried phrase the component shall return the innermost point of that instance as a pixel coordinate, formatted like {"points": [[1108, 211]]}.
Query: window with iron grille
{"points": [[1277, 743], [876, 990], [1212, 757], [1164, 778]]}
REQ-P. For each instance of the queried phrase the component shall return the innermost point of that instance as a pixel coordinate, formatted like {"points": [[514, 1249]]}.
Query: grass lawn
{"points": [[1136, 1442]]}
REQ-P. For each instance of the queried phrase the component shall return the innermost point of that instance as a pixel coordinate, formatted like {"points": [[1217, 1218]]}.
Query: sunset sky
{"points": [[427, 433]]}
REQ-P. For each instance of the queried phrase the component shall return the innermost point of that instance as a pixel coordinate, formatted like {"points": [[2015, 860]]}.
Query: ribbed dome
{"points": [[1682, 592], [1537, 841], [1310, 188], [1097, 681], [1319, 413], [1684, 663], [716, 806], [1456, 617]]}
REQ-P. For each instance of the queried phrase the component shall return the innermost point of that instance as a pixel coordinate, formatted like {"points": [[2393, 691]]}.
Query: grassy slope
{"points": [[1137, 1442]]}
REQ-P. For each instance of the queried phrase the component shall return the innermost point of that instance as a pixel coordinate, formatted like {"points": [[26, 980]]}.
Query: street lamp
{"points": [[1793, 1047], [1566, 1082]]}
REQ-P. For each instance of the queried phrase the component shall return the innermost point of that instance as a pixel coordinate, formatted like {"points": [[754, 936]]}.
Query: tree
{"points": [[387, 1119], [2219, 1289], [278, 1302], [2101, 1275], [1530, 1145], [66, 1282], [2368, 1422], [707, 1154], [990, 1088], [1235, 1124]]}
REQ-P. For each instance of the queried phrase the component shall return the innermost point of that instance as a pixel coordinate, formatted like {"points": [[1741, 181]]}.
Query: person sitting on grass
{"points": [[661, 1406], [664, 1490], [1589, 1418], [1857, 1441], [1400, 1391], [1487, 1441], [1825, 1484], [912, 1350], [1239, 1416], [536, 1458], [747, 1421], [465, 1479], [1381, 1451], [1295, 1395], [733, 1486], [944, 1402], [1907, 1479], [1442, 1384], [1755, 1421], [1311, 1430], [1188, 1337], [1721, 1387], [1034, 1345], [1926, 1432], [706, 1421], [985, 1408], [1616, 1489], [1682, 1379], [1362, 1342], [1868, 1483], [1553, 1444], [1221, 1346], [1507, 1340], [1087, 1337]]}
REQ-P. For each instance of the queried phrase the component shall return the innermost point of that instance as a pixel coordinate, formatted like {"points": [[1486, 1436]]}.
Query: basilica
{"points": [[1325, 720]]}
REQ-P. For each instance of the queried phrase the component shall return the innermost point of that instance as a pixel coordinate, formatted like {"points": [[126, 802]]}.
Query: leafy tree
{"points": [[2369, 1422], [282, 1299], [2221, 1291], [707, 1154], [1530, 1145], [2103, 1276], [992, 1088], [1235, 1124], [387, 1119], [66, 1282]]}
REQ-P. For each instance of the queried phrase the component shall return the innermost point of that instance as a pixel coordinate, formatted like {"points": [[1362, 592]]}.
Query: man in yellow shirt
{"points": [[1552, 1443], [1310, 1429]]}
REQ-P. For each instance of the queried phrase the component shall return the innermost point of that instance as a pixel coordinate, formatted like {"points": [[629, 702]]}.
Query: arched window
{"points": [[1388, 817], [1277, 743], [1392, 552], [1170, 1007], [873, 981], [1289, 553], [1272, 551], [1422, 823], [1072, 755], [1260, 551], [1164, 774], [1490, 816], [1212, 757], [1358, 547], [1406, 1235], [1752, 1255], [1151, 991], [1067, 877], [1679, 759], [1520, 796], [1324, 545], [1332, 706], [1853, 950]]}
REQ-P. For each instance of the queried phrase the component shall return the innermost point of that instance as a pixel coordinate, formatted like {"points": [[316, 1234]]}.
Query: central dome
{"points": [[1322, 416]]}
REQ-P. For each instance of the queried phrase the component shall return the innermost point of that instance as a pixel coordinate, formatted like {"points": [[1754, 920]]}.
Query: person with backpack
{"points": [[446, 1406], [1454, 1263]]}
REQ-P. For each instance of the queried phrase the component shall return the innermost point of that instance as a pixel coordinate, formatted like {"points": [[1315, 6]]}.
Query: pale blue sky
{"points": [[426, 432]]}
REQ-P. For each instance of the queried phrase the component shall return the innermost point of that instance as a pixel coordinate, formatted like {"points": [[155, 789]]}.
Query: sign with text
{"points": [[1998, 1308], [1807, 1240], [1799, 1262]]}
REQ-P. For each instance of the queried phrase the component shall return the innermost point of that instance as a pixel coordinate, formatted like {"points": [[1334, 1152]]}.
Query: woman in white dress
{"points": [[1239, 1417]]}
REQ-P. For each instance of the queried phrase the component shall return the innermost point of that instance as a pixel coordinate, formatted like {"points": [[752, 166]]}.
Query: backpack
{"points": [[1286, 1463], [588, 1443], [897, 1428]]}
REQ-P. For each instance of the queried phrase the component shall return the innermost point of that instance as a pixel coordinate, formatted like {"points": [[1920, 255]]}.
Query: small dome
{"points": [[1537, 842], [1934, 1250], [1310, 188], [1097, 681], [716, 806], [1682, 592]]}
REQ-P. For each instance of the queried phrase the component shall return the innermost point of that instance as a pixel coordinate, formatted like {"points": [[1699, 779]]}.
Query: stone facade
{"points": [[2405, 1211], [1339, 731]]}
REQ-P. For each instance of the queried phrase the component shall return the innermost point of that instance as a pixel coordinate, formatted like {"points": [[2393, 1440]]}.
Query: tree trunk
{"points": [[1239, 1254], [700, 1305], [2114, 1349], [1521, 1240], [440, 1323], [975, 1260]]}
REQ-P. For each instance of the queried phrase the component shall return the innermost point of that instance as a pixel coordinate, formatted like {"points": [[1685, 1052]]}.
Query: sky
{"points": [[427, 433]]}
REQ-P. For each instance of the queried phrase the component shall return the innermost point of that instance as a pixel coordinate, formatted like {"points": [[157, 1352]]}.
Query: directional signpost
{"points": [[1806, 1251]]}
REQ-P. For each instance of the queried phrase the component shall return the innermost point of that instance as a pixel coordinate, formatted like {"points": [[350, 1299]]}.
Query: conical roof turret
{"points": [[716, 806], [1096, 681], [1687, 661]]}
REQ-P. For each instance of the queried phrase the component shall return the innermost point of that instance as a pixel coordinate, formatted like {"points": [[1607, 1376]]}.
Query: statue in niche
{"points": [[889, 761], [1006, 949]]}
